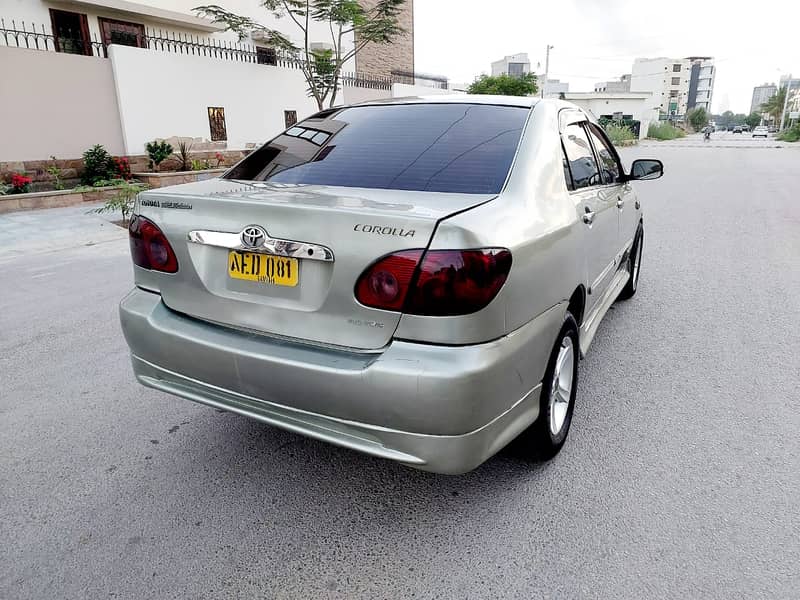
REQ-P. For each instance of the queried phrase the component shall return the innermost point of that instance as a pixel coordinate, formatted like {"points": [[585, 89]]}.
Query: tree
{"points": [[504, 85], [774, 106], [321, 68], [753, 120], [739, 119], [725, 119], [698, 118]]}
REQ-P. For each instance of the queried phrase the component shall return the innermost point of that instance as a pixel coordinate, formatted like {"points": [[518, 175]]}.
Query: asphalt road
{"points": [[681, 477]]}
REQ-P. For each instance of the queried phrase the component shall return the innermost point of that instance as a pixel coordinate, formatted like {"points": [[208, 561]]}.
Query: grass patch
{"points": [[790, 135], [664, 131], [619, 133]]}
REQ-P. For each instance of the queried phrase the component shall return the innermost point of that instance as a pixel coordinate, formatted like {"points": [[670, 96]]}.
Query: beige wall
{"points": [[381, 59], [353, 95], [60, 105]]}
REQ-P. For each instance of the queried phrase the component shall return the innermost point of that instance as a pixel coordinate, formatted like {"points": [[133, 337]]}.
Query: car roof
{"points": [[523, 101]]}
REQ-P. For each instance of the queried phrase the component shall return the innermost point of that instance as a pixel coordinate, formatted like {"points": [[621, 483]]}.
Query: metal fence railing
{"points": [[34, 37], [414, 78], [28, 35]]}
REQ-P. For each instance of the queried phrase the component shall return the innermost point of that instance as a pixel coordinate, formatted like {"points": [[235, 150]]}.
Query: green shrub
{"points": [[4, 189], [200, 165], [790, 135], [109, 183], [664, 131], [619, 133], [184, 160], [123, 200], [97, 164], [158, 152], [55, 172]]}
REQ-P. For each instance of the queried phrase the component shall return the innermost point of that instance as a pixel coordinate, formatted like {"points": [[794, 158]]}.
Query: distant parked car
{"points": [[737, 129], [761, 131], [772, 129], [414, 279]]}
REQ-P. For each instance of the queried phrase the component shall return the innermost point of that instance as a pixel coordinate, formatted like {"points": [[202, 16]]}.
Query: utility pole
{"points": [[546, 67], [786, 100]]}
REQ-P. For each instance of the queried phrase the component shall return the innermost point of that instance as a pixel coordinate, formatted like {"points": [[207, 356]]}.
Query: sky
{"points": [[598, 40]]}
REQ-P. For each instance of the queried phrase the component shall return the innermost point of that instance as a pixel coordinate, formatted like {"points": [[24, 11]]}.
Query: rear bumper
{"points": [[439, 408]]}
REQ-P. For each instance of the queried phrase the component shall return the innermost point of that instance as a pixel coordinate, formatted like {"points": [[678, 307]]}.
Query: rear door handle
{"points": [[588, 216], [620, 202]]}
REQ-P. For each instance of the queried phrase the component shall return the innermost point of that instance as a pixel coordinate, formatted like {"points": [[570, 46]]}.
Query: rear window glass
{"points": [[464, 148]]}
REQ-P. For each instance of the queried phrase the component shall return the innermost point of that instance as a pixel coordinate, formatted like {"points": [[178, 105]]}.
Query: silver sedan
{"points": [[415, 279]]}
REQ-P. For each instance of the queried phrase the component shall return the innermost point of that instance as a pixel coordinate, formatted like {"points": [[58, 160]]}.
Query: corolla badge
{"points": [[253, 236]]}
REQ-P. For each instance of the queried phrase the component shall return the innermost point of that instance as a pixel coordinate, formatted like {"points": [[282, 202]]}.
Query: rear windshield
{"points": [[464, 148]]}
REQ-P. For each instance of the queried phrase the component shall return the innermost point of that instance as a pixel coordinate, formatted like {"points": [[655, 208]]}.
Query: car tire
{"points": [[634, 265], [545, 437]]}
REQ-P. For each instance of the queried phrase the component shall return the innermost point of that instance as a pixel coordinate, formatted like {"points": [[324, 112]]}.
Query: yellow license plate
{"points": [[263, 268]]}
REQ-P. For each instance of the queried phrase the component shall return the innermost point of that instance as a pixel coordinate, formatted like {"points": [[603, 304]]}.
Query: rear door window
{"points": [[580, 156], [464, 148]]}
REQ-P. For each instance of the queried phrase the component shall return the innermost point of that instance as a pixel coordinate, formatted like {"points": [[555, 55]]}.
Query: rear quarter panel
{"points": [[535, 218]]}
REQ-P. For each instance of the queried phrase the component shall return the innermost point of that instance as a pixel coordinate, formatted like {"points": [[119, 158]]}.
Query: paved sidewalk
{"points": [[55, 229]]}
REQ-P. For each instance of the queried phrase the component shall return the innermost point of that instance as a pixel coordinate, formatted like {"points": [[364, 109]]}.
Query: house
{"points": [[122, 73], [620, 106]]}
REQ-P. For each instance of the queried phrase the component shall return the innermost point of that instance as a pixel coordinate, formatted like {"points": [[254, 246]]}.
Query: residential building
{"points": [[620, 106], [762, 93], [623, 84], [386, 60], [667, 79], [701, 82], [553, 88], [678, 84], [793, 101], [514, 64], [126, 72]]}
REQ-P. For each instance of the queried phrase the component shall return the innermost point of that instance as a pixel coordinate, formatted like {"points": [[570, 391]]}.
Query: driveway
{"points": [[680, 479]]}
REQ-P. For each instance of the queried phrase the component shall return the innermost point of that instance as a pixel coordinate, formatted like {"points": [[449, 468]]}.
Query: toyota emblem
{"points": [[253, 236]]}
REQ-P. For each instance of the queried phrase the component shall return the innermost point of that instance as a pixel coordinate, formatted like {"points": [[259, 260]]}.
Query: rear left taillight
{"points": [[149, 246], [444, 283]]}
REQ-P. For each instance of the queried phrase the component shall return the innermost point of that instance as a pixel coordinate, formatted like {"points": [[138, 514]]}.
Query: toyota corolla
{"points": [[415, 279]]}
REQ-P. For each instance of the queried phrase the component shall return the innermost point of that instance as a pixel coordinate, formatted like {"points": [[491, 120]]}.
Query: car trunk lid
{"points": [[355, 226]]}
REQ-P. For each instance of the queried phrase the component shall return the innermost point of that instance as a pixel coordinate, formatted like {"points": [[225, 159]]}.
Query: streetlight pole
{"points": [[786, 100], [546, 67]]}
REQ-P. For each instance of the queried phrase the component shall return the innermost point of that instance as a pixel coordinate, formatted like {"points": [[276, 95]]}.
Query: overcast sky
{"points": [[598, 40]]}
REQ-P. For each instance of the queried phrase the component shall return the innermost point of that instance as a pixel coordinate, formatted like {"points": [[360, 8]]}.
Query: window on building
{"points": [[70, 32], [290, 117], [216, 122], [673, 93], [266, 56], [676, 81], [608, 159], [676, 68], [582, 164], [516, 69], [122, 33]]}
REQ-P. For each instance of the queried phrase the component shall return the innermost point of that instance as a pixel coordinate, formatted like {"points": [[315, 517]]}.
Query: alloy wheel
{"points": [[561, 387]]}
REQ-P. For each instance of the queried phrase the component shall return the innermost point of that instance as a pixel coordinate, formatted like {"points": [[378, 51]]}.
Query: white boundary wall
{"points": [[161, 95]]}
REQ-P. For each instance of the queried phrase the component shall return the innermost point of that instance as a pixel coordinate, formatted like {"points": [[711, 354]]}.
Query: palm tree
{"points": [[774, 106]]}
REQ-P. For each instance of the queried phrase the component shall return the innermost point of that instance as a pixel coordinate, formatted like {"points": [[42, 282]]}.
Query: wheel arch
{"points": [[577, 304]]}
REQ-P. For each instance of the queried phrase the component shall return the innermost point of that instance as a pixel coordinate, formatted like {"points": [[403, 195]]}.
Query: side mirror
{"points": [[646, 168]]}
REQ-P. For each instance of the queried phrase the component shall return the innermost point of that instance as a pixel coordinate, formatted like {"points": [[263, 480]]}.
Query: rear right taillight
{"points": [[149, 246], [444, 283]]}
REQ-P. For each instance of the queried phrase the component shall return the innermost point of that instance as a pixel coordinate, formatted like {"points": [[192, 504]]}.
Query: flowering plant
{"points": [[122, 167], [220, 158], [20, 184]]}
